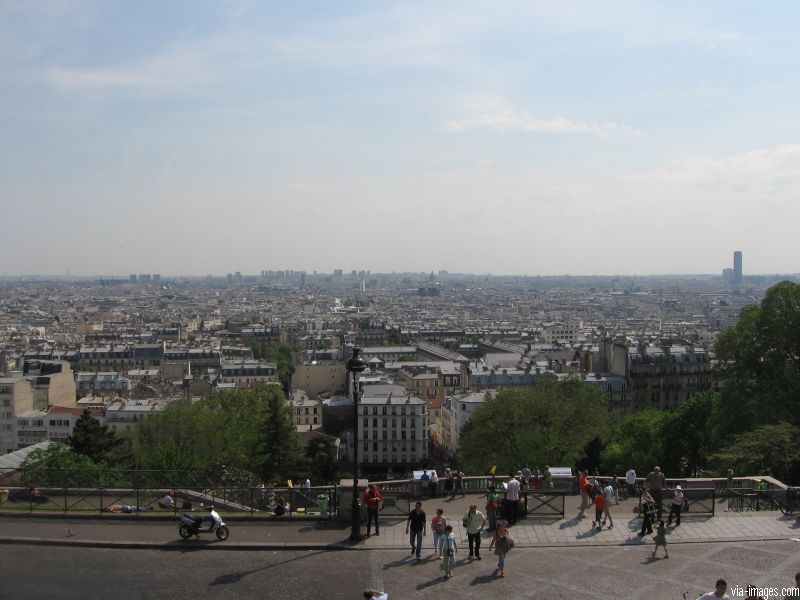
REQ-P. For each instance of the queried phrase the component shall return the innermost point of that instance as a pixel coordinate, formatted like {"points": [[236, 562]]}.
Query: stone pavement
{"points": [[130, 531]]}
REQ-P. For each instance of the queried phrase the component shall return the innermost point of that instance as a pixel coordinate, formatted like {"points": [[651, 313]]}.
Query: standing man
{"points": [[459, 476], [583, 488], [526, 476], [372, 500], [718, 593], [434, 483], [419, 528], [475, 522], [630, 481], [608, 492], [676, 506], [512, 498], [656, 482], [424, 482]]}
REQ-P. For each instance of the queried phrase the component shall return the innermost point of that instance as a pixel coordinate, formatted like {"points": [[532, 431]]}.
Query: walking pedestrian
{"points": [[656, 482], [609, 494], [501, 543], [373, 500], [718, 593], [450, 549], [512, 499], [599, 502], [438, 524], [492, 506], [630, 481], [676, 506], [583, 488], [647, 508], [474, 521], [661, 539], [418, 527]]}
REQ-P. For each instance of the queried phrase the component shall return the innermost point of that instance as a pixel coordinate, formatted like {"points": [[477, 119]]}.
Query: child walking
{"points": [[599, 508], [450, 549], [661, 538]]}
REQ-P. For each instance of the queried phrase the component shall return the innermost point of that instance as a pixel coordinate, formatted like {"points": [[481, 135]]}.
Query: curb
{"points": [[197, 545]]}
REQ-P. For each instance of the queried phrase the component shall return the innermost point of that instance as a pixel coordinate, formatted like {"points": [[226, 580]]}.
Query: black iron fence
{"points": [[155, 492], [755, 500]]}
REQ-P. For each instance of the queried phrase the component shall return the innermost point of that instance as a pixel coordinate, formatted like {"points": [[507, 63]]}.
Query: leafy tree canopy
{"points": [[760, 362], [635, 441], [767, 450], [222, 436], [547, 424], [92, 439]]}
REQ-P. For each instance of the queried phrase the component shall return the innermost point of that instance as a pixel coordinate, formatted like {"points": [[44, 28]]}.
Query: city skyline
{"points": [[519, 138]]}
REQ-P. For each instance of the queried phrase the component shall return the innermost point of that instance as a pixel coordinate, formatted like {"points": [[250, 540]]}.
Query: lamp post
{"points": [[355, 366]]}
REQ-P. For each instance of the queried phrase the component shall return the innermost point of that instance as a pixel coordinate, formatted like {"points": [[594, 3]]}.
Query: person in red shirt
{"points": [[373, 500], [599, 508]]}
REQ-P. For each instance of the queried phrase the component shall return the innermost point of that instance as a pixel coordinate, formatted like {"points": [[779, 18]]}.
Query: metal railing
{"points": [[755, 500], [146, 492]]}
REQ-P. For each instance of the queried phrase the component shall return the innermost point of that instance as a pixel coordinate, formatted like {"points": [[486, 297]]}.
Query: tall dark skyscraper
{"points": [[737, 266]]}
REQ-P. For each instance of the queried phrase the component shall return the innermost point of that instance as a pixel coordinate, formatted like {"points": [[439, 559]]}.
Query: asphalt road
{"points": [[50, 573]]}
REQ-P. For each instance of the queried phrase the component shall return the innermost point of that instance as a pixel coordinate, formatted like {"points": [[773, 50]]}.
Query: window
{"points": [[374, 446], [384, 422], [375, 423], [394, 422], [366, 423], [374, 410], [383, 410]]}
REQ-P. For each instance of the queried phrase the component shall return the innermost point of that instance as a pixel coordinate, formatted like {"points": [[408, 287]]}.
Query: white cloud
{"points": [[176, 69], [523, 122]]}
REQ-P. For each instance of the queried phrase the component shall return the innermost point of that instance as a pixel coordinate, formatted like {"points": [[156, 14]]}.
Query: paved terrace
{"points": [[161, 530]]}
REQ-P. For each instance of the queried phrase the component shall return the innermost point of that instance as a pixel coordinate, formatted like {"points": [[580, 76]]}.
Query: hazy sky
{"points": [[532, 137]]}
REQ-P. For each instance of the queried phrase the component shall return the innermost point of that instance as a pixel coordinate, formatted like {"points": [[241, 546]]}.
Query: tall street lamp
{"points": [[355, 366]]}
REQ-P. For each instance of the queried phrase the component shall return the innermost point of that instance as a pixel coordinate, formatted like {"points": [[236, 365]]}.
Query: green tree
{"points": [[59, 465], [635, 441], [548, 423], [767, 450], [686, 434], [760, 363], [279, 450], [92, 439], [323, 457]]}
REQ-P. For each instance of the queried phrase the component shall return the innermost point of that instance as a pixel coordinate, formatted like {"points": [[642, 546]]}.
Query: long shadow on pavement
{"points": [[229, 578], [483, 579]]}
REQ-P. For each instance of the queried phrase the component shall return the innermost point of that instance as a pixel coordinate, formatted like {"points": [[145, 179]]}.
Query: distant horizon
{"points": [[346, 274]]}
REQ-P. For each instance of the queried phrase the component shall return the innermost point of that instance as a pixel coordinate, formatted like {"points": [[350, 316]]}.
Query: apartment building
{"points": [[248, 373], [455, 412], [392, 429], [16, 398]]}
